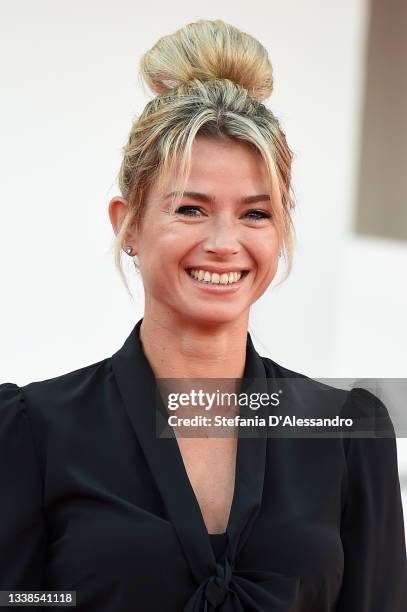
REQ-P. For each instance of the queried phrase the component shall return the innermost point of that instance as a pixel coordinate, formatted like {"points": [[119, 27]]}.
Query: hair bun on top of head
{"points": [[207, 50]]}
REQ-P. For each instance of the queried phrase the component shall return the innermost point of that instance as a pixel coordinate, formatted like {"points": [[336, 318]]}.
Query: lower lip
{"points": [[214, 288]]}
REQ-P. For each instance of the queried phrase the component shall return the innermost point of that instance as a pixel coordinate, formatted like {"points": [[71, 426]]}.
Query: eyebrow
{"points": [[203, 197]]}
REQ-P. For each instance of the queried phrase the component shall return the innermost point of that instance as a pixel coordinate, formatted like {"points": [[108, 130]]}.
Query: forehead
{"points": [[220, 167], [226, 170], [226, 160]]}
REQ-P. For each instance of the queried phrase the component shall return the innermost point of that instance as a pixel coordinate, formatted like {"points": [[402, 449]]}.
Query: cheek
{"points": [[266, 261], [171, 241], [270, 268], [160, 258], [265, 252]]}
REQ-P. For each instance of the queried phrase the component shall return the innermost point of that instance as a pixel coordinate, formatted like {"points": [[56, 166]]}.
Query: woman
{"points": [[93, 500]]}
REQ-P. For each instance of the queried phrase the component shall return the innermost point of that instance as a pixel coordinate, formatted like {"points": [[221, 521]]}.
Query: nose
{"points": [[222, 238]]}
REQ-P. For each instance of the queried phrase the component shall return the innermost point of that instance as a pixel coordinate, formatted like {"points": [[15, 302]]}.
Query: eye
{"points": [[183, 210], [189, 210], [259, 215]]}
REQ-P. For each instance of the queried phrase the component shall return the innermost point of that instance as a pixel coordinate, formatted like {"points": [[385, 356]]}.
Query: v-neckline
{"points": [[235, 459], [138, 388]]}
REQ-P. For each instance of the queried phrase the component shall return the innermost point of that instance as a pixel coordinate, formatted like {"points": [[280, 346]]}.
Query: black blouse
{"points": [[219, 543], [93, 501]]}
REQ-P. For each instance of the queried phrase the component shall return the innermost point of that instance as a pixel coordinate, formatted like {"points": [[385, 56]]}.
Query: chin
{"points": [[214, 316]]}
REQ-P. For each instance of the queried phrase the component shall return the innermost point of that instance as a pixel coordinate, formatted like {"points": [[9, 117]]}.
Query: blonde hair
{"points": [[210, 79]]}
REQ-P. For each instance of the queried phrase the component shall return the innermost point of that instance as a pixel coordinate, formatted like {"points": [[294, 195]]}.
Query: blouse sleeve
{"points": [[372, 526], [22, 525]]}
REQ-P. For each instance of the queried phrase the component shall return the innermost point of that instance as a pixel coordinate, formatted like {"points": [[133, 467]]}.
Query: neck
{"points": [[180, 348]]}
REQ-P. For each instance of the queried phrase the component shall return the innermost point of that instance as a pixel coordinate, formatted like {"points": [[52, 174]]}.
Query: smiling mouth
{"points": [[216, 279]]}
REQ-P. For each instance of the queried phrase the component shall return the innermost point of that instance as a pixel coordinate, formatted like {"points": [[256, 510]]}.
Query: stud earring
{"points": [[129, 250]]}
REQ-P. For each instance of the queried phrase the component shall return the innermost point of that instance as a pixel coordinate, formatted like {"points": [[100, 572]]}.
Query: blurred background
{"points": [[70, 93]]}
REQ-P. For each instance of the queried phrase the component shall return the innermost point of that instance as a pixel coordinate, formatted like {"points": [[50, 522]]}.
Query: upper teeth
{"points": [[222, 279]]}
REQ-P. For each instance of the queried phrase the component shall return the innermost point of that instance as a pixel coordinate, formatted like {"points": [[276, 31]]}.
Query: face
{"points": [[223, 226]]}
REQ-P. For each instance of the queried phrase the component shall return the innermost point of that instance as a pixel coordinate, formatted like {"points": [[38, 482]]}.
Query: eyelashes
{"points": [[182, 210]]}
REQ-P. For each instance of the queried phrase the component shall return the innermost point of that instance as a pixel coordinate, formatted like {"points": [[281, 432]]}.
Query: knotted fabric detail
{"points": [[217, 586], [232, 590]]}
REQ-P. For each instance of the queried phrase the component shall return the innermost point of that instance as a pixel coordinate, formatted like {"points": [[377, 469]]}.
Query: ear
{"points": [[118, 208]]}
